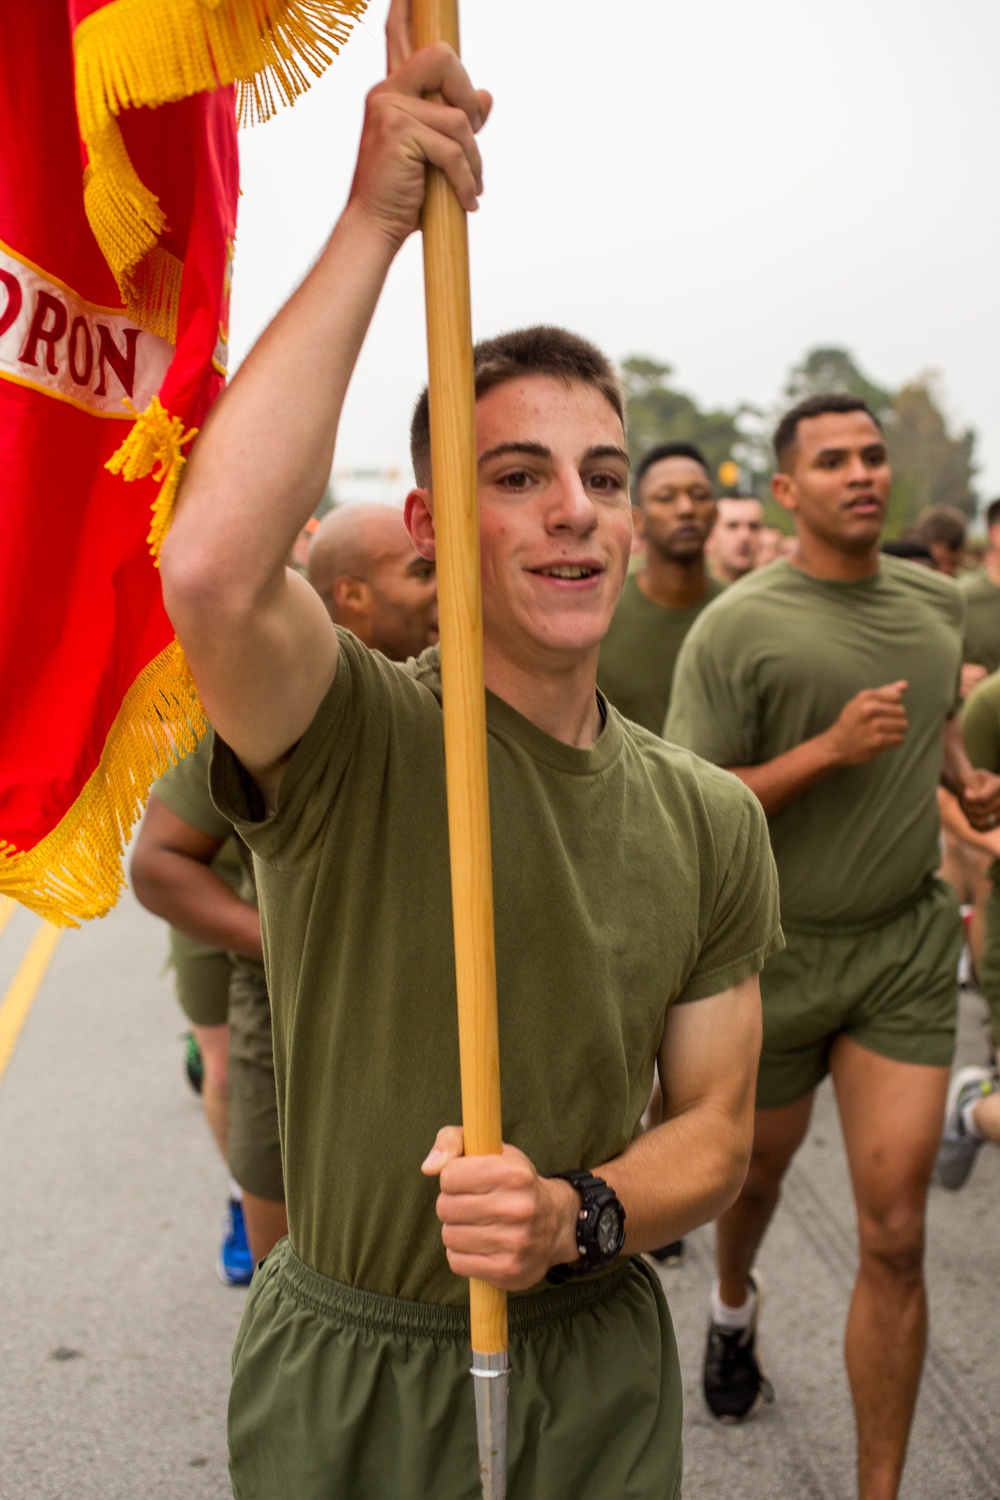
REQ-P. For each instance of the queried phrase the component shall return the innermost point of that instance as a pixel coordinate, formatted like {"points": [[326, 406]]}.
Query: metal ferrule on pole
{"points": [[490, 1380]]}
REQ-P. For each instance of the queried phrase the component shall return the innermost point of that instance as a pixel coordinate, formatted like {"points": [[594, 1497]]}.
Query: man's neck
{"points": [[671, 583], [821, 559], [991, 567], [561, 701], [726, 575]]}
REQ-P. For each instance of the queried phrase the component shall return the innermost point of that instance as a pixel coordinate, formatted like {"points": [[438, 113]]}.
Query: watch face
{"points": [[609, 1230]]}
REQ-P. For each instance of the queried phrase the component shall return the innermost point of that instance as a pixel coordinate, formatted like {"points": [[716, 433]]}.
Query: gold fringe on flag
{"points": [[75, 872], [155, 438], [149, 52]]}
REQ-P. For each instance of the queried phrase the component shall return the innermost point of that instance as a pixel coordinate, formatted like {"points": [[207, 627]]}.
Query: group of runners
{"points": [[714, 794]]}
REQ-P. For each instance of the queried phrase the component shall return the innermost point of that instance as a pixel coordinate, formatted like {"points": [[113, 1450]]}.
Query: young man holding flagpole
{"points": [[635, 905]]}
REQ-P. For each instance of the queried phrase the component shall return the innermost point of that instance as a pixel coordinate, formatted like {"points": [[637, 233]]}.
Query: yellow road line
{"points": [[6, 911], [23, 988]]}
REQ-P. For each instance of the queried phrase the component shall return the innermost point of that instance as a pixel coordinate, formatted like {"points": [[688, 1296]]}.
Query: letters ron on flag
{"points": [[118, 189]]}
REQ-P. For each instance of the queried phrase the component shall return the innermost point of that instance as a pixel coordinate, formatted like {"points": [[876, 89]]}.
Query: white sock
{"points": [[235, 1191], [969, 1119], [732, 1317]]}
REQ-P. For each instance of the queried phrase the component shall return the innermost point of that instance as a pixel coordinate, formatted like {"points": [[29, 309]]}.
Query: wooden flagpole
{"points": [[456, 524]]}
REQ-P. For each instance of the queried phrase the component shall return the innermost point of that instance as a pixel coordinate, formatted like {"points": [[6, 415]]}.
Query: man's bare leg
{"points": [[891, 1116], [213, 1044], [267, 1223], [778, 1134]]}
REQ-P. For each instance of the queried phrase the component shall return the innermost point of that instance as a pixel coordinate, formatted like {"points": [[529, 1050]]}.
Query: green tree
{"points": [[929, 465], [833, 369], [659, 413]]}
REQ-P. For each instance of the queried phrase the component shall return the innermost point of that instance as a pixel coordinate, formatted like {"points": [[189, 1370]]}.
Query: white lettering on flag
{"points": [[55, 342]]}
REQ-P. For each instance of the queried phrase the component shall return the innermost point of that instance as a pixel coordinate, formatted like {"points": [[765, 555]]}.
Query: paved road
{"points": [[115, 1333]]}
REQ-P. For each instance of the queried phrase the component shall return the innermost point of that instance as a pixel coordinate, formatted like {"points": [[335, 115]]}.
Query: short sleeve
{"points": [[185, 791], [712, 711], [375, 711], [743, 925], [981, 725], [315, 769]]}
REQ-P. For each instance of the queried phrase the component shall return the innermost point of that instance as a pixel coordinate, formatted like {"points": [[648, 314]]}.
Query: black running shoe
{"points": [[734, 1383], [670, 1255]]}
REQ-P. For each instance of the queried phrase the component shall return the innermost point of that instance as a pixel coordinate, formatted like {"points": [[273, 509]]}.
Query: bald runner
{"points": [[365, 568]]}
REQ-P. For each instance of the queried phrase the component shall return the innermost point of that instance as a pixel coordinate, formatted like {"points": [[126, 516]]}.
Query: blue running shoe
{"points": [[235, 1263]]}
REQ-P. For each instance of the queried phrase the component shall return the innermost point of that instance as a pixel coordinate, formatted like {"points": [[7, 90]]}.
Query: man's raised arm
{"points": [[259, 641]]}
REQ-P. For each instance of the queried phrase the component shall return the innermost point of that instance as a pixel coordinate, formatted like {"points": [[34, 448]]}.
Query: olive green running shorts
{"points": [[340, 1394], [890, 985], [201, 979], [989, 966], [254, 1142]]}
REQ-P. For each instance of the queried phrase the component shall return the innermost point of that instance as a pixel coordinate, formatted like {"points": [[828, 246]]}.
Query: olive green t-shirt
{"points": [[184, 789], [981, 732], [628, 877], [981, 724], [639, 653], [982, 619], [772, 664]]}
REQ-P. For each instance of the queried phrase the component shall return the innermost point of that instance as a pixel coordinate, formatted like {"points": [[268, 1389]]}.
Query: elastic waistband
{"points": [[377, 1313], [929, 887]]}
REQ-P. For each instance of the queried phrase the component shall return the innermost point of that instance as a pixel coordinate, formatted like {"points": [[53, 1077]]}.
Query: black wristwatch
{"points": [[600, 1226]]}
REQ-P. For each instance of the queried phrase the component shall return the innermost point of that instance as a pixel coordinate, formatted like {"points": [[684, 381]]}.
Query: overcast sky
{"points": [[719, 185]]}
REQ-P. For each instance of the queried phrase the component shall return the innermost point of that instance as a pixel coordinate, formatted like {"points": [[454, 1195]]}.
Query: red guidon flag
{"points": [[118, 188]]}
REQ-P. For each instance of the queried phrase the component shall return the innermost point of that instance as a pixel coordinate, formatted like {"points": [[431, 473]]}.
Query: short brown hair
{"points": [[942, 523], [511, 356]]}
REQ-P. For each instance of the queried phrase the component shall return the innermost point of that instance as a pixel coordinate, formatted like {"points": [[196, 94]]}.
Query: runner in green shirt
{"points": [[635, 903], [189, 866], [973, 1112], [372, 580], [675, 512], [827, 684], [982, 600]]}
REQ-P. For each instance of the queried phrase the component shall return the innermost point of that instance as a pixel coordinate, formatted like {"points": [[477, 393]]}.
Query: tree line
{"points": [[931, 464]]}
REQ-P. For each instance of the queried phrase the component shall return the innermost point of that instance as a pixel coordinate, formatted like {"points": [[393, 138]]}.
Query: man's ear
{"points": [[419, 518], [638, 520], [783, 490], [351, 597]]}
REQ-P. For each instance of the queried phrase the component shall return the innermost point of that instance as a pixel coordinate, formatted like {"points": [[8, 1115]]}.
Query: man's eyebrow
{"points": [[607, 450], [877, 444], [533, 450], [539, 450]]}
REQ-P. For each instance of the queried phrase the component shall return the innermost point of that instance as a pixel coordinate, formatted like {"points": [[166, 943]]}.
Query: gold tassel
{"points": [[132, 53], [155, 438], [75, 872], [127, 54]]}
